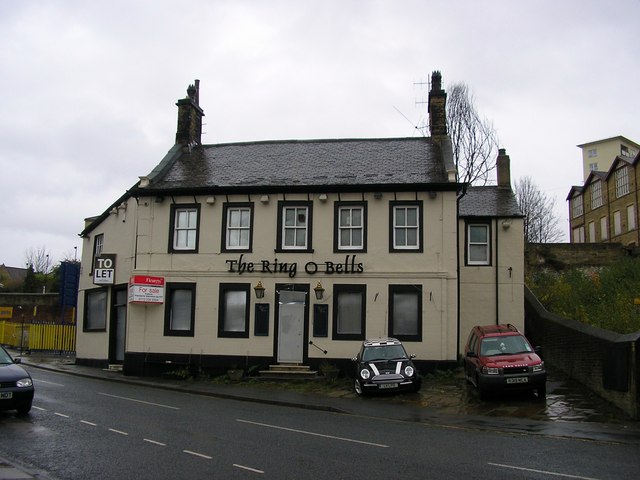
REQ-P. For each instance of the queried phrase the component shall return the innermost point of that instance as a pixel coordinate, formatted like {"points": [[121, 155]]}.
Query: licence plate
{"points": [[518, 380], [388, 385], [6, 395]]}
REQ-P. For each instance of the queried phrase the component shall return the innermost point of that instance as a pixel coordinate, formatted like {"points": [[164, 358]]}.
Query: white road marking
{"points": [[89, 423], [48, 383], [39, 408], [155, 443], [313, 433], [118, 431], [138, 401], [555, 474], [248, 468], [61, 415], [201, 455]]}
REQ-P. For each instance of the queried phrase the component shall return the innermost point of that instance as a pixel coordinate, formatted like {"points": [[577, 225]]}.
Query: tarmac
{"points": [[569, 411]]}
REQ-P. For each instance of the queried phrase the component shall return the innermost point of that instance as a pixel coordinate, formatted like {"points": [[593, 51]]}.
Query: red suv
{"points": [[499, 357]]}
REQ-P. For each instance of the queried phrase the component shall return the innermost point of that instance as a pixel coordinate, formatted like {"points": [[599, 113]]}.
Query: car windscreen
{"points": [[4, 357], [383, 352], [506, 345]]}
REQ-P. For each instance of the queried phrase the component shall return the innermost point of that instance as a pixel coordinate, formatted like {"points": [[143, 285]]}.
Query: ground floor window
{"points": [[349, 302], [180, 308], [233, 311], [405, 312], [95, 311]]}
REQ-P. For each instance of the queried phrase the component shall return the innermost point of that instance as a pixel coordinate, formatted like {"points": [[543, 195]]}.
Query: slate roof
{"points": [[302, 163], [489, 201]]}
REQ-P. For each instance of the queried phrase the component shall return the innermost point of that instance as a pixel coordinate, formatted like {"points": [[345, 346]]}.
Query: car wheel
{"points": [[24, 408], [357, 386], [542, 392]]}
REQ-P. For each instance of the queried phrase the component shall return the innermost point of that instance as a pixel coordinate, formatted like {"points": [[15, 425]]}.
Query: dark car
{"points": [[383, 365], [16, 386], [499, 358]]}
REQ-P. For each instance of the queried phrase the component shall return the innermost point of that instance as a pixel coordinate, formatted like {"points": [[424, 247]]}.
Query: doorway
{"points": [[292, 329]]}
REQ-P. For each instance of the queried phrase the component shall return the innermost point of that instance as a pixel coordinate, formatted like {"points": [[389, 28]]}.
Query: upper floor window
{"points": [[98, 247], [238, 234], [233, 311], [406, 226], [593, 166], [405, 312], [184, 228], [349, 307], [576, 206], [622, 181], [478, 251], [180, 310], [350, 227], [294, 226], [592, 152], [628, 152], [596, 195]]}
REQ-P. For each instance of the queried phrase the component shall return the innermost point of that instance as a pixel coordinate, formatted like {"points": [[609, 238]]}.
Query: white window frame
{"points": [[298, 228], [185, 234], [350, 229], [238, 234], [578, 235], [592, 152], [592, 232], [617, 223], [472, 245], [577, 205], [622, 181], [403, 229], [604, 228], [631, 217]]}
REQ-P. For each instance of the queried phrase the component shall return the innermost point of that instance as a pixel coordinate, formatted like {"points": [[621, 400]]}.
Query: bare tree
{"points": [[541, 225], [474, 140], [39, 259]]}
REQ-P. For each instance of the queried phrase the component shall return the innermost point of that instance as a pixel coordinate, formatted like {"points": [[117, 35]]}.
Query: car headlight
{"points": [[490, 370], [538, 368], [365, 374], [409, 371], [24, 382]]}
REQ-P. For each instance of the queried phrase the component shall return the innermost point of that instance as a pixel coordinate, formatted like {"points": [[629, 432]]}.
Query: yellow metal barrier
{"points": [[39, 336]]}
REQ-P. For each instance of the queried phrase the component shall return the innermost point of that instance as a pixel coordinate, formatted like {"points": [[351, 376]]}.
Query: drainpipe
{"points": [[496, 272], [458, 198]]}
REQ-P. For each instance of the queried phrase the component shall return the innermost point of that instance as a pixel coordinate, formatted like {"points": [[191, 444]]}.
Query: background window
{"points": [[350, 227], [349, 312], [617, 222], [184, 228], [233, 320], [576, 204], [631, 217], [237, 219], [179, 314], [406, 226], [95, 310], [405, 312], [596, 195], [604, 228], [622, 182], [478, 245]]}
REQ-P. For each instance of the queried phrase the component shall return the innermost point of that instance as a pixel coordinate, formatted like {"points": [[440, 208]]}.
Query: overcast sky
{"points": [[89, 88]]}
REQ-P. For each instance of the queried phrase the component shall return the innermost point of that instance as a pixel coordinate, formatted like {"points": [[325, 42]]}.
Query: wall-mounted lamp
{"points": [[506, 224], [319, 291], [264, 199], [210, 200], [259, 289], [322, 197]]}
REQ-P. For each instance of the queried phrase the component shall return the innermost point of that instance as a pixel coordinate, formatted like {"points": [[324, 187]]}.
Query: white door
{"points": [[291, 326]]}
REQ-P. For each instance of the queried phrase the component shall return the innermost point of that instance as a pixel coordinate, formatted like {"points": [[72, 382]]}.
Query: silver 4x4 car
{"points": [[383, 365]]}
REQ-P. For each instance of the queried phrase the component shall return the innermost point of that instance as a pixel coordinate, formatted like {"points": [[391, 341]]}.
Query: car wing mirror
{"points": [[17, 360], [471, 354], [354, 359], [413, 355], [538, 350]]}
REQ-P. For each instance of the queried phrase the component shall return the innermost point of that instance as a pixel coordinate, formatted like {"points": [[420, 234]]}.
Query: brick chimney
{"points": [[437, 106], [190, 115], [503, 167]]}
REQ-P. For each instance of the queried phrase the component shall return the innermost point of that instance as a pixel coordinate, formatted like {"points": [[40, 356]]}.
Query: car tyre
{"points": [[357, 386], [542, 392], [24, 408]]}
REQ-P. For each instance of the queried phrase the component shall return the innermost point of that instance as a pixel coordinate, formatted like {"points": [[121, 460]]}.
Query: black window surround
{"points": [[337, 228], [286, 204], [95, 310], [172, 290], [244, 290], [225, 243], [486, 223], [338, 290], [407, 290], [393, 206], [178, 207]]}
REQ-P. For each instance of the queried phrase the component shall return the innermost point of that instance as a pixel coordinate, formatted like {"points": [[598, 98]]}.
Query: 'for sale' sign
{"points": [[104, 269], [146, 289]]}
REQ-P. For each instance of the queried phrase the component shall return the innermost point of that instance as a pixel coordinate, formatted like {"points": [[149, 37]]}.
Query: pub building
{"points": [[267, 253]]}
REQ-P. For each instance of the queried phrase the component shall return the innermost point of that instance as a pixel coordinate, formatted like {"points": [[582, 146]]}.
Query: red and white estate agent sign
{"points": [[145, 289]]}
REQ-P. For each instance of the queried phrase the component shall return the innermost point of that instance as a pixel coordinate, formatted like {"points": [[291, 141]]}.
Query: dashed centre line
{"points": [[118, 431], [254, 470], [89, 423], [61, 415], [201, 455], [154, 442], [555, 474], [139, 401]]}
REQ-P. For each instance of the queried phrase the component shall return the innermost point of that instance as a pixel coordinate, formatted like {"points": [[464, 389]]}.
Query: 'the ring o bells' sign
{"points": [[146, 289]]}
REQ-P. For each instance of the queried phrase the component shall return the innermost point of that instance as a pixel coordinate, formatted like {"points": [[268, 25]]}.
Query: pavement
{"points": [[569, 411]]}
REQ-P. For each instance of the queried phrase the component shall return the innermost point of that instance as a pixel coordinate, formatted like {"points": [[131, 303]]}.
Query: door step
{"points": [[288, 371], [115, 367]]}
